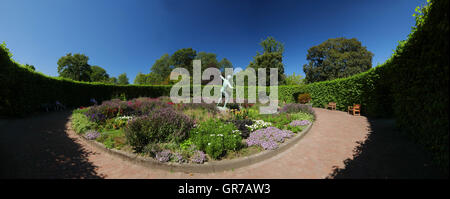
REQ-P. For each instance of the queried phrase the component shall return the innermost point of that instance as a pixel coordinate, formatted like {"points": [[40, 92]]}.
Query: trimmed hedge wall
{"points": [[421, 87], [24, 91], [371, 89], [412, 85]]}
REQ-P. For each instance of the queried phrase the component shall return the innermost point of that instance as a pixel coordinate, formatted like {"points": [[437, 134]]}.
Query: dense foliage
{"points": [[216, 137], [122, 79], [162, 125], [74, 67], [336, 58], [412, 85], [371, 89], [271, 57], [98, 74], [421, 70], [304, 98], [24, 91]]}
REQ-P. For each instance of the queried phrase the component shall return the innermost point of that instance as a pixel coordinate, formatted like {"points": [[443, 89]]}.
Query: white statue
{"points": [[226, 82]]}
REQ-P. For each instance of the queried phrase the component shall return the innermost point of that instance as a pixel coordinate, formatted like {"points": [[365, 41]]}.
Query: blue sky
{"points": [[128, 36]]}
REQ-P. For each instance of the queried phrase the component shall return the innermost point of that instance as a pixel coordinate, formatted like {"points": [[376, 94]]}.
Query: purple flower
{"points": [[199, 157], [268, 138], [178, 157], [92, 135], [299, 123], [163, 156]]}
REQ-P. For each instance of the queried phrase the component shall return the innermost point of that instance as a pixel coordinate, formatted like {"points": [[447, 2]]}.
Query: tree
{"points": [[112, 80], [98, 74], [268, 61], [225, 63], [140, 79], [75, 67], [183, 58], [154, 79], [271, 57], [122, 79], [162, 66], [270, 45], [209, 60], [336, 58], [294, 79]]}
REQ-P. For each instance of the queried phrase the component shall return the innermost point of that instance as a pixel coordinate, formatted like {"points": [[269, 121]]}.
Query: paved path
{"points": [[338, 146]]}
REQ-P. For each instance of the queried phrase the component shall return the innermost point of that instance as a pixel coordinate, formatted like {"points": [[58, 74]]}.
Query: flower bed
{"points": [[187, 133]]}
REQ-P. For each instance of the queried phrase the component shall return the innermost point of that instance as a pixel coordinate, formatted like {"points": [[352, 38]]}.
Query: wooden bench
{"points": [[331, 105], [355, 109]]}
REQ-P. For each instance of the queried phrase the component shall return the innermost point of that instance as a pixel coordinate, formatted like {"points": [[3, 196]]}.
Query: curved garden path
{"points": [[337, 146]]}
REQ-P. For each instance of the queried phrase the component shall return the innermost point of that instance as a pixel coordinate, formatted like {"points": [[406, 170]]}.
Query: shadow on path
{"points": [[38, 147], [386, 153]]}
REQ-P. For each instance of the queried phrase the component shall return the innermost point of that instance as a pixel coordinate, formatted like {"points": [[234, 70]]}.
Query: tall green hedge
{"points": [[370, 89], [421, 88], [24, 91], [412, 85]]}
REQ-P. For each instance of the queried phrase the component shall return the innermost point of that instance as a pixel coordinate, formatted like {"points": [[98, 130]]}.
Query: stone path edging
{"points": [[207, 167]]}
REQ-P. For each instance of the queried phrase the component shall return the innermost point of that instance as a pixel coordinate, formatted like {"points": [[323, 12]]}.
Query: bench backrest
{"points": [[332, 103], [356, 106]]}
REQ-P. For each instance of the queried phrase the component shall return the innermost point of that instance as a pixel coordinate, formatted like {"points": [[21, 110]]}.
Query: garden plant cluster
{"points": [[188, 133]]}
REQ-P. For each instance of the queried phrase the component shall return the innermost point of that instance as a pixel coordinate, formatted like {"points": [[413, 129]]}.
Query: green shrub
{"points": [[304, 98], [163, 125], [81, 124], [216, 137], [277, 120], [302, 116], [79, 110], [186, 144], [112, 139]]}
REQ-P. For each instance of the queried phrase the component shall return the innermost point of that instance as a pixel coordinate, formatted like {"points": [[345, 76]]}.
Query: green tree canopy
{"points": [[154, 79], [112, 80], [209, 60], [225, 63], [270, 45], [75, 67], [272, 57], [294, 79], [183, 58], [140, 78], [336, 58], [162, 66], [122, 79], [98, 74]]}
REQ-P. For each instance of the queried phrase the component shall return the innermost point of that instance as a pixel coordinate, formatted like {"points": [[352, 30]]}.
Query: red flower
{"points": [[170, 103]]}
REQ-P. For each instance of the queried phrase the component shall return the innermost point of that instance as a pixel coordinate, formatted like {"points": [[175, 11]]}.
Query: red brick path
{"points": [[329, 142], [40, 147]]}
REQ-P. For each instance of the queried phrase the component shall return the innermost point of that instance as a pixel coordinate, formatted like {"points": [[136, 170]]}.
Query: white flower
{"points": [[209, 144]]}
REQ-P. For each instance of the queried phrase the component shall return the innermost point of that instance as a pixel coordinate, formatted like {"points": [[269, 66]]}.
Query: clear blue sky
{"points": [[128, 36]]}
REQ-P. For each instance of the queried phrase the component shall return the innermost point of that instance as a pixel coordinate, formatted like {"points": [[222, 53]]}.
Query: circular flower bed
{"points": [[188, 133]]}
